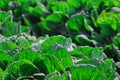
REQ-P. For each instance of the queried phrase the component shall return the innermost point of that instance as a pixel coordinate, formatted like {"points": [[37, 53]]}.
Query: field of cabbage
{"points": [[59, 39]]}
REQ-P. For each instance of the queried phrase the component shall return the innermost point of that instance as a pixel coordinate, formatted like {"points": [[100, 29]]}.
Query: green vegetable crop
{"points": [[60, 40]]}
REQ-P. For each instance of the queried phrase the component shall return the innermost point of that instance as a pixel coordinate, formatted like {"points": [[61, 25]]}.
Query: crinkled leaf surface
{"points": [[20, 70]]}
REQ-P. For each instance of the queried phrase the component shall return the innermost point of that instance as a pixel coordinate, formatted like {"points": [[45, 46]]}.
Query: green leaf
{"points": [[53, 22], [63, 56], [26, 5], [51, 42], [86, 53], [75, 23], [94, 15], [63, 7], [92, 4], [116, 41], [8, 45], [106, 67], [109, 69], [1, 73], [5, 58], [4, 3], [108, 21], [21, 2], [26, 55], [87, 26], [83, 40], [49, 63], [77, 3], [37, 11], [5, 17], [58, 76], [85, 72], [111, 3], [23, 43], [51, 1], [11, 28], [109, 50], [59, 47], [20, 70], [44, 26], [56, 17], [108, 24], [53, 76], [26, 21], [25, 29], [66, 75]]}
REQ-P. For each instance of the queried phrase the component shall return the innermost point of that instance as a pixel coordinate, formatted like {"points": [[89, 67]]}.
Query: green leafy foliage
{"points": [[116, 41], [4, 61], [59, 39], [53, 58], [17, 70], [4, 3]]}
